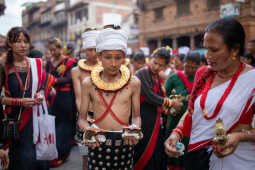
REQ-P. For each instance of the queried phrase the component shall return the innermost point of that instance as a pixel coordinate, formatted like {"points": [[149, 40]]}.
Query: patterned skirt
{"points": [[112, 154]]}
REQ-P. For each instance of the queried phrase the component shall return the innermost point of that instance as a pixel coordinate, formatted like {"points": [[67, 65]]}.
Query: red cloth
{"points": [[185, 80], [171, 167]]}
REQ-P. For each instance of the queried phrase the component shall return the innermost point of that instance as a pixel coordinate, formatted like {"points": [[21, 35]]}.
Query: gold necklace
{"points": [[127, 62], [110, 86], [82, 64]]}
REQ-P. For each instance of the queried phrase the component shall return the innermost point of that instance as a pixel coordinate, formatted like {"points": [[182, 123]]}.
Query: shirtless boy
{"points": [[82, 71], [113, 92]]}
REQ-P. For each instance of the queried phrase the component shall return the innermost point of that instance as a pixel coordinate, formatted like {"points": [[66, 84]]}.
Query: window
{"points": [[183, 7], [82, 13], [213, 4], [60, 16], [78, 15], [85, 13], [158, 13], [136, 18]]}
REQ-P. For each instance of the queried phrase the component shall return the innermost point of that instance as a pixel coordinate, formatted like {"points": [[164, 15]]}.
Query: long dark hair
{"points": [[232, 32], [12, 37]]}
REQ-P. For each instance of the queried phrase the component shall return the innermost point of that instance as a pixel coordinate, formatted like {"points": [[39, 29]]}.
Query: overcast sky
{"points": [[12, 14]]}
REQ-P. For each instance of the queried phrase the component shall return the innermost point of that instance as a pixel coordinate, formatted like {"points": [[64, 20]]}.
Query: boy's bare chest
{"points": [[120, 97]]}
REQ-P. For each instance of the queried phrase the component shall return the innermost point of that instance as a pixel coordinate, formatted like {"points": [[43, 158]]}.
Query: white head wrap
{"points": [[111, 39], [89, 39]]}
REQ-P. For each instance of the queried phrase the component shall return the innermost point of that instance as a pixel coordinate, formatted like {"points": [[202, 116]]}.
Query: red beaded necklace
{"points": [[223, 97], [19, 79]]}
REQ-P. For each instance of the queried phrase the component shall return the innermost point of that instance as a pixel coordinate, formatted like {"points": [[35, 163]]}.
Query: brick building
{"points": [[67, 19], [97, 13], [33, 20], [180, 23]]}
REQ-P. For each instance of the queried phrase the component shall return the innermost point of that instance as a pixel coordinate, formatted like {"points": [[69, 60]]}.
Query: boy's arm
{"points": [[136, 90], [84, 106], [76, 86]]}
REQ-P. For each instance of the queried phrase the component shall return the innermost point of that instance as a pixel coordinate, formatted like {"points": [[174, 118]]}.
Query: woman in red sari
{"points": [[149, 152], [223, 90], [62, 105]]}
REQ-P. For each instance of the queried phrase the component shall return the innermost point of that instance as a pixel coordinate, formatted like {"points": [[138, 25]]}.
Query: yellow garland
{"points": [[127, 62], [82, 64], [110, 86]]}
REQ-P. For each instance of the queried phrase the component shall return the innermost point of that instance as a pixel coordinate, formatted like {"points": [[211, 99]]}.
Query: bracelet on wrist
{"points": [[179, 132], [171, 102], [164, 102], [16, 102], [180, 127], [168, 102]]}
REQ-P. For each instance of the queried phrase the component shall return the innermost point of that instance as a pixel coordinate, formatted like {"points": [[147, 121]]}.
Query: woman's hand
{"points": [[53, 91], [29, 102], [39, 97], [4, 158], [84, 126], [230, 146], [93, 142], [170, 145], [177, 104]]}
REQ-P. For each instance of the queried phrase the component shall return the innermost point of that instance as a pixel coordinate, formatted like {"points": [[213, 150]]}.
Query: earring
{"points": [[233, 57]]}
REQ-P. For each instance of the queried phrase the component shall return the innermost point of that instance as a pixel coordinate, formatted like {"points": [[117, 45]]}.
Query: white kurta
{"points": [[202, 129]]}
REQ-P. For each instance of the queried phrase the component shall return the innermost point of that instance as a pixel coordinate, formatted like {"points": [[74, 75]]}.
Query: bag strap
{"points": [[23, 95]]}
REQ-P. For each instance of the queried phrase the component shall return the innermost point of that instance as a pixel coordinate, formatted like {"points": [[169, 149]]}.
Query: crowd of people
{"points": [[159, 112]]}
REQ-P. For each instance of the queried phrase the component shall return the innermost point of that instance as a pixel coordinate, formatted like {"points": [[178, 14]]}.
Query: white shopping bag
{"points": [[46, 146], [44, 134]]}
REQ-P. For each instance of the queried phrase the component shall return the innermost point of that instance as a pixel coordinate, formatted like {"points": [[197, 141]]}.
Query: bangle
{"points": [[180, 127], [20, 103], [16, 102], [165, 102], [170, 103], [179, 132], [13, 102]]}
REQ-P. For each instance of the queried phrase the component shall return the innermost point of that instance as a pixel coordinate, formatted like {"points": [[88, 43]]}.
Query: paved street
{"points": [[73, 163]]}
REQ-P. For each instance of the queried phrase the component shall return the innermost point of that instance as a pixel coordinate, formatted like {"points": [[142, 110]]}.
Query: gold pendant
{"points": [[127, 62], [61, 69], [110, 86]]}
